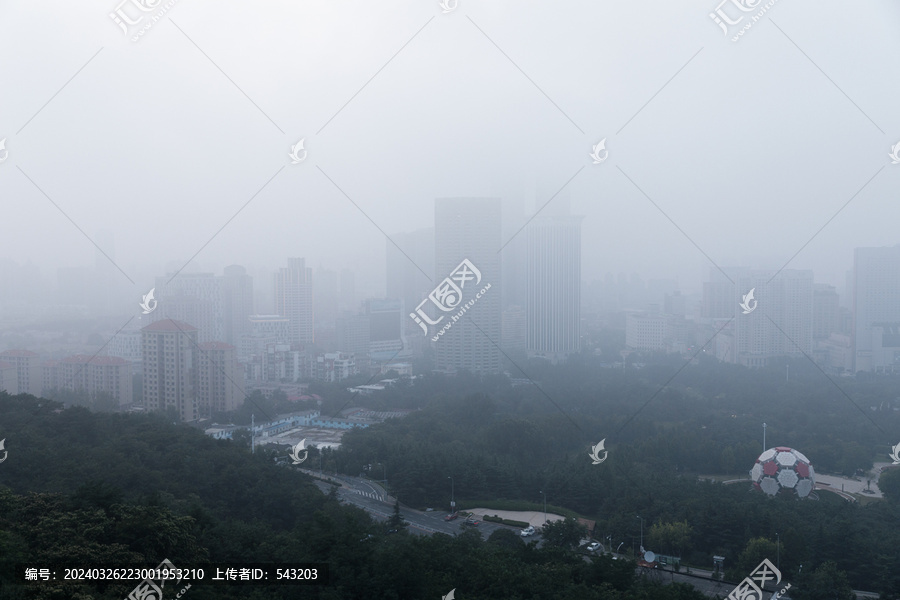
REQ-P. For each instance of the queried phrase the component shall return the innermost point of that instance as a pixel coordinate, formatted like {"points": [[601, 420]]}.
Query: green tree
{"points": [[826, 582], [566, 533]]}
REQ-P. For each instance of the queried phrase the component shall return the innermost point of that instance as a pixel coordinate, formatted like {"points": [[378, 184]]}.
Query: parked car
{"points": [[473, 522], [593, 546], [451, 516], [527, 531]]}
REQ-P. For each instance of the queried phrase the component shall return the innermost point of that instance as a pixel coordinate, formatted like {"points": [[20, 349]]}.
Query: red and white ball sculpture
{"points": [[783, 470]]}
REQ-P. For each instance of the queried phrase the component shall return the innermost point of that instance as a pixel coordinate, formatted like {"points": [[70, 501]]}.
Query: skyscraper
{"points": [[553, 286], [779, 321], [195, 298], [237, 296], [467, 229], [410, 265], [294, 300], [170, 357], [876, 308]]}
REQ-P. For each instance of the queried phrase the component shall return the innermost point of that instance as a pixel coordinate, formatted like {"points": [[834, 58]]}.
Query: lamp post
{"points": [[545, 506], [452, 500], [777, 551], [764, 437], [642, 532], [620, 545]]}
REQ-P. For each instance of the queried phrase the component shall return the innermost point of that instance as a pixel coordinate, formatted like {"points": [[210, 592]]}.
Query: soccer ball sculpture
{"points": [[783, 470]]}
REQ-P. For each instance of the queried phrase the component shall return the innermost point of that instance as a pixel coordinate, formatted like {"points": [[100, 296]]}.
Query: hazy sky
{"points": [[748, 147]]}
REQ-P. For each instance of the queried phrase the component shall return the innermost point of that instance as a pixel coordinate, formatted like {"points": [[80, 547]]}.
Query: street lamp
{"points": [[452, 501], [642, 532], [777, 551], [545, 506], [620, 545]]}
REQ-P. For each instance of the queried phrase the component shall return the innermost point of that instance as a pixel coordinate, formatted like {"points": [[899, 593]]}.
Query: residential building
{"points": [[220, 381], [171, 367], [335, 366], [28, 370], [95, 375]]}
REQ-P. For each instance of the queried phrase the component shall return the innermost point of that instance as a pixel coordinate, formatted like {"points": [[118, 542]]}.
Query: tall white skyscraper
{"points": [[553, 286], [467, 229], [876, 308], [294, 299]]}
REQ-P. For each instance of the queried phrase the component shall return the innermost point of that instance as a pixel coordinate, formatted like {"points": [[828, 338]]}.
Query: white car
{"points": [[593, 546], [527, 531]]}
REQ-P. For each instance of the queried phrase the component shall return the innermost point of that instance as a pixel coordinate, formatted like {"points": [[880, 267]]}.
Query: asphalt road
{"points": [[372, 498]]}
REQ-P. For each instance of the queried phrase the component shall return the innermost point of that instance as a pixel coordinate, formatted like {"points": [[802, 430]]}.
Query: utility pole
{"points": [[252, 432], [642, 532], [545, 506], [764, 437]]}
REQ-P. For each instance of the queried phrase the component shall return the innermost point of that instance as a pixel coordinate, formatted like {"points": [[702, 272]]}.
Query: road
{"points": [[372, 498]]}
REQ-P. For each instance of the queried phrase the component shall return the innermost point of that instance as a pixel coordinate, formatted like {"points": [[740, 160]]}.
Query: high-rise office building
{"points": [[826, 311], [194, 298], [876, 308], [410, 269], [466, 302], [326, 297], [385, 329], [294, 300], [237, 300], [171, 363], [352, 336], [780, 322], [553, 287], [220, 381], [514, 325]]}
